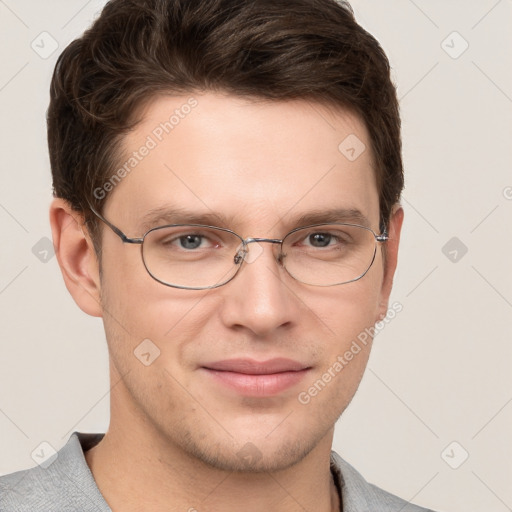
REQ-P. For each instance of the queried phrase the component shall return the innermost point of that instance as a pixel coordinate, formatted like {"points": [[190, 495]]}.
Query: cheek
{"points": [[350, 308], [139, 302], [348, 316], [138, 308]]}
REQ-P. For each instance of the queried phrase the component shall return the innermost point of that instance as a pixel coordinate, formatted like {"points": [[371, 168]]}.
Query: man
{"points": [[227, 179]]}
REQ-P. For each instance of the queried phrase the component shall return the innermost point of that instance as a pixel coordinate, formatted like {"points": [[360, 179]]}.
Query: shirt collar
{"points": [[357, 494]]}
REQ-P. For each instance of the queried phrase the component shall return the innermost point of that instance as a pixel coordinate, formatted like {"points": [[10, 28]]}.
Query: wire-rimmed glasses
{"points": [[200, 257]]}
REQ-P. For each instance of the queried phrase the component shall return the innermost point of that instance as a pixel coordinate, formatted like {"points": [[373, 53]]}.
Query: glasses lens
{"points": [[329, 254], [191, 256]]}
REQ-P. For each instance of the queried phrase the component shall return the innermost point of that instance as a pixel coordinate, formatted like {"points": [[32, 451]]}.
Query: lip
{"points": [[257, 378]]}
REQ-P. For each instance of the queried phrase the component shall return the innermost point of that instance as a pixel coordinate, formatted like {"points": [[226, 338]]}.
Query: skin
{"points": [[175, 434]]}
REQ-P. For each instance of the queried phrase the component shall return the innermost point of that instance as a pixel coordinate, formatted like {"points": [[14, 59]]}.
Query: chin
{"points": [[251, 457], [254, 451]]}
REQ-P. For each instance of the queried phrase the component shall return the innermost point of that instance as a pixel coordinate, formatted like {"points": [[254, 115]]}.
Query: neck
{"points": [[135, 464]]}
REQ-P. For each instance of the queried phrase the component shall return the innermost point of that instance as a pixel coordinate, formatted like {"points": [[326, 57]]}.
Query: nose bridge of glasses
{"points": [[243, 251], [268, 240]]}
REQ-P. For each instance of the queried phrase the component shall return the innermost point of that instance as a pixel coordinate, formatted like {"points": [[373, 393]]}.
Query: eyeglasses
{"points": [[200, 257]]}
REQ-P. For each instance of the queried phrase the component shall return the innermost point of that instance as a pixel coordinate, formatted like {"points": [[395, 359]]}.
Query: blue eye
{"points": [[190, 241]]}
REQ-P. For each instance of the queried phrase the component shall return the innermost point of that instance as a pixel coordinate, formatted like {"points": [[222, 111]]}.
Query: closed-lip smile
{"points": [[257, 378]]}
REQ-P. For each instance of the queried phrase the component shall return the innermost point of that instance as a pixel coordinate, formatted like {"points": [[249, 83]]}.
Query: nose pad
{"points": [[251, 254], [240, 255], [248, 254]]}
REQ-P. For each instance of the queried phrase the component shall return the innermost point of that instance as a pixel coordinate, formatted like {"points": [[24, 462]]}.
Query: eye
{"points": [[320, 239], [324, 239], [189, 241]]}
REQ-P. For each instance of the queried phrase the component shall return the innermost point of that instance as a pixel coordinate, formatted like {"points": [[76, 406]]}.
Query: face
{"points": [[238, 365]]}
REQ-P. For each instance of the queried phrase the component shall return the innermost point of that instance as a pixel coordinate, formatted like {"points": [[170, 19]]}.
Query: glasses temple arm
{"points": [[115, 229]]}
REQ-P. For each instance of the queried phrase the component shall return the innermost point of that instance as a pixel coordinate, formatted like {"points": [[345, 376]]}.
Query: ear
{"points": [[390, 258], [76, 256]]}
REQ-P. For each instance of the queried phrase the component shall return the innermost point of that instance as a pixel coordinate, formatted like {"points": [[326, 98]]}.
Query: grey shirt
{"points": [[67, 485]]}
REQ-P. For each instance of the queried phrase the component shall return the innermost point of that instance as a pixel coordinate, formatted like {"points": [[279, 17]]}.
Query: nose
{"points": [[260, 298]]}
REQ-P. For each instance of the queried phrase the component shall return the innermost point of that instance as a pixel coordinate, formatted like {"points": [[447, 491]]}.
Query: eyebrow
{"points": [[348, 215], [168, 215]]}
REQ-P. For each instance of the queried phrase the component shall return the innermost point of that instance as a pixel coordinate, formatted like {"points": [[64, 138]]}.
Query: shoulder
{"points": [[63, 483], [30, 489], [358, 495]]}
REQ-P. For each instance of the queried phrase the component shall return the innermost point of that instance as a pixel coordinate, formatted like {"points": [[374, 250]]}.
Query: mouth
{"points": [[257, 378]]}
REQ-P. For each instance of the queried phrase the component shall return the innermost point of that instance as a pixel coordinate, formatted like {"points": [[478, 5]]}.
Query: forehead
{"points": [[254, 162]]}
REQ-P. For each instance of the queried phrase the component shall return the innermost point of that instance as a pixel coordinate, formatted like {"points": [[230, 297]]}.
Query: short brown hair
{"points": [[268, 49]]}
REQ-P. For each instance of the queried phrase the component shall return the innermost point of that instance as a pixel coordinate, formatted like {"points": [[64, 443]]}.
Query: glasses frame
{"points": [[239, 257]]}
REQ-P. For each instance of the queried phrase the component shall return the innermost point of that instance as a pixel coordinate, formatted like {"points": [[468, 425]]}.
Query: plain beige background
{"points": [[438, 387]]}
